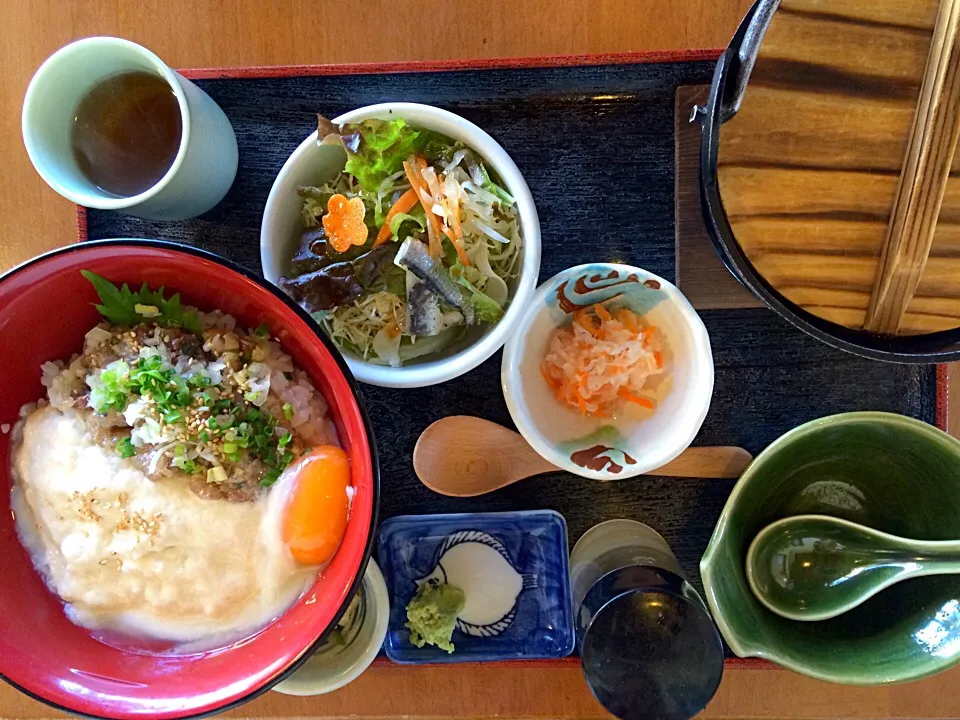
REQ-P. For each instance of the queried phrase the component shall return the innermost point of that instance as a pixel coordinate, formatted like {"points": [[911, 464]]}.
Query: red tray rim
{"points": [[407, 66], [528, 62]]}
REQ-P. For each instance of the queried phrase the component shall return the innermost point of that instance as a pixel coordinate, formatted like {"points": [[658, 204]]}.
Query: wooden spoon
{"points": [[463, 456]]}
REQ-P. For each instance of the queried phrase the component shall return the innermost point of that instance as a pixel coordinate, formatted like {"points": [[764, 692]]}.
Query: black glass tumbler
{"points": [[648, 646]]}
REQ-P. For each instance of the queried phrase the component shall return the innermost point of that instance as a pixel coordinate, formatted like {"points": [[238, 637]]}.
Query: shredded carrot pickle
{"points": [[603, 360]]}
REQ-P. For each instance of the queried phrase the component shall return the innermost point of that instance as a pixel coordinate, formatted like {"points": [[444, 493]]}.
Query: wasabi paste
{"points": [[432, 614]]}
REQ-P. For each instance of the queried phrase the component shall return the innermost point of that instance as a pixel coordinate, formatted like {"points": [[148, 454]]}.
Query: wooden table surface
{"points": [[207, 33]]}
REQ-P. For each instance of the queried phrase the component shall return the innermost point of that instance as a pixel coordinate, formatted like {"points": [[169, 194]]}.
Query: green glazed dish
{"points": [[889, 472]]}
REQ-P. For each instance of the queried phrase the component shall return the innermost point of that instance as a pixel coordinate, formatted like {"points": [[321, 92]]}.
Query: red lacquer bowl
{"points": [[45, 310]]}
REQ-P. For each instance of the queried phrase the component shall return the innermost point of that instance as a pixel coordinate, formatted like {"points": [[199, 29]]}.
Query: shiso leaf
{"points": [[123, 307]]}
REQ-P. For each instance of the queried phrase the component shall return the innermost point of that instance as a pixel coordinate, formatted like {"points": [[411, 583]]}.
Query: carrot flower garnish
{"points": [[343, 223]]}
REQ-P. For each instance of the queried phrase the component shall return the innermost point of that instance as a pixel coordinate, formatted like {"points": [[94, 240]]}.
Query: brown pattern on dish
{"points": [[581, 287], [593, 458]]}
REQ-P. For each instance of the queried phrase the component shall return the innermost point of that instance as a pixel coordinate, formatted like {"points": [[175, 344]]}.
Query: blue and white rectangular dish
{"points": [[513, 568]]}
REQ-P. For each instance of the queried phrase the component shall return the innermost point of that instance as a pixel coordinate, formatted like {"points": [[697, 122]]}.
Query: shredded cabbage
{"points": [[355, 326]]}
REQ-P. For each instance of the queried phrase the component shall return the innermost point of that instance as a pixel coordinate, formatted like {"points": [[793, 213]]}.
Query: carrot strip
{"points": [[412, 171], [455, 225], [641, 401], [602, 312], [581, 399], [455, 237], [648, 333], [552, 382], [658, 356], [629, 320], [403, 204], [461, 250], [417, 184], [581, 318]]}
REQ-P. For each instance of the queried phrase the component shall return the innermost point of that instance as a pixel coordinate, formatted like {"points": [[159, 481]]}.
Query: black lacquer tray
{"points": [[594, 138]]}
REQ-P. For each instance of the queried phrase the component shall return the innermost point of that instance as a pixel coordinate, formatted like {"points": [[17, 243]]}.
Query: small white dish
{"points": [[341, 660], [311, 164], [206, 162], [634, 442]]}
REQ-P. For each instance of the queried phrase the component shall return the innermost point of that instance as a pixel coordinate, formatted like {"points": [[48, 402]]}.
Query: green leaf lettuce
{"points": [[376, 149]]}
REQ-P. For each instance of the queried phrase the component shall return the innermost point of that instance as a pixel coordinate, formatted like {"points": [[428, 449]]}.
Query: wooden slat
{"points": [[916, 14], [779, 191], [867, 135], [867, 51]]}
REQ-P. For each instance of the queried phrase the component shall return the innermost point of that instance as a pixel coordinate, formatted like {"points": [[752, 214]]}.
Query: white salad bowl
{"points": [[636, 440], [312, 164]]}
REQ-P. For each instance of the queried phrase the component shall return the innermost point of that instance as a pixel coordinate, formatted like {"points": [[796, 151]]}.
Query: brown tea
{"points": [[126, 133]]}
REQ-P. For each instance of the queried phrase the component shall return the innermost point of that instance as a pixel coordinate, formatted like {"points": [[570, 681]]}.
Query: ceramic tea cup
{"points": [[202, 170]]}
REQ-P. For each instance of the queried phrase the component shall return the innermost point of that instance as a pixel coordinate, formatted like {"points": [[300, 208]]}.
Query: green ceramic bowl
{"points": [[890, 472]]}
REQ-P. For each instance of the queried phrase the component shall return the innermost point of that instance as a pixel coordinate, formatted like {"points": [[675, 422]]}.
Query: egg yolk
{"points": [[315, 518]]}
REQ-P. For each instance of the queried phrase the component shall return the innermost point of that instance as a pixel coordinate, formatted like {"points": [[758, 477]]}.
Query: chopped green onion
{"points": [[112, 391], [216, 474], [287, 410], [229, 447], [270, 478], [180, 450], [506, 199], [172, 416], [204, 436], [124, 446], [285, 440], [263, 330], [150, 362], [183, 392], [188, 466]]}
